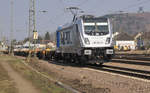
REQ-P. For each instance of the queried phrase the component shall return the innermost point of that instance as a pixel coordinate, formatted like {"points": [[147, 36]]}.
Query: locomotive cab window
{"points": [[94, 27], [103, 29]]}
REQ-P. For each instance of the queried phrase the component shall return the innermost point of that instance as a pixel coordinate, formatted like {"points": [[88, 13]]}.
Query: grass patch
{"points": [[6, 84], [42, 83]]}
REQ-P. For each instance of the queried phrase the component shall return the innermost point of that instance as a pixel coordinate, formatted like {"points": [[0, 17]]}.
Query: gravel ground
{"points": [[90, 81]]}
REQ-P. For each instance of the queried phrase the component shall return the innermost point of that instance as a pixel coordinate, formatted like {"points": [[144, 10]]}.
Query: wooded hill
{"points": [[131, 23]]}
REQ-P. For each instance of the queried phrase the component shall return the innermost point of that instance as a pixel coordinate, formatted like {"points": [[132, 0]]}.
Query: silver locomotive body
{"points": [[86, 40]]}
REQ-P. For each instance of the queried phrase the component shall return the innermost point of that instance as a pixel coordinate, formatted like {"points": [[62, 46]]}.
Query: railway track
{"points": [[134, 57], [140, 74], [110, 73], [127, 71], [132, 62], [130, 72], [123, 71], [120, 71]]}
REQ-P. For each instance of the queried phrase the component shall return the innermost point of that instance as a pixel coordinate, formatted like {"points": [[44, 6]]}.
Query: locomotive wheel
{"points": [[82, 60]]}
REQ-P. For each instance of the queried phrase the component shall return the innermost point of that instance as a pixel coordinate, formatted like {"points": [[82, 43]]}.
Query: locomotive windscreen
{"points": [[96, 26]]}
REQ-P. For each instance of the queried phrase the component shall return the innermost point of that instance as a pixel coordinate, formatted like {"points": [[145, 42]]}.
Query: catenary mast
{"points": [[32, 25]]}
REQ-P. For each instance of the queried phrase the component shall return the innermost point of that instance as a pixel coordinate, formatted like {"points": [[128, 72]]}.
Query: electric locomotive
{"points": [[87, 39]]}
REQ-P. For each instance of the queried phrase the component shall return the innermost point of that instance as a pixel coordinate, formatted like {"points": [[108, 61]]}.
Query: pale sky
{"points": [[57, 14]]}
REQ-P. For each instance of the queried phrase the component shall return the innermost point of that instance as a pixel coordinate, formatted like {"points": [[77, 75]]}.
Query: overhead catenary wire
{"points": [[137, 4], [132, 6], [51, 21], [83, 3], [56, 17], [64, 5]]}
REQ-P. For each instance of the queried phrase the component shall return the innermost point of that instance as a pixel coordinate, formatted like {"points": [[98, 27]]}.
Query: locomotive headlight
{"points": [[86, 40], [107, 40]]}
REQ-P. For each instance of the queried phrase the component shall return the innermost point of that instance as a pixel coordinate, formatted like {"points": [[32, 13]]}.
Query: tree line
{"points": [[48, 37]]}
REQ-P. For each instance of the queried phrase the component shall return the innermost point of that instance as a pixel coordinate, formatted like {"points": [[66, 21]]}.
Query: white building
{"points": [[129, 44]]}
